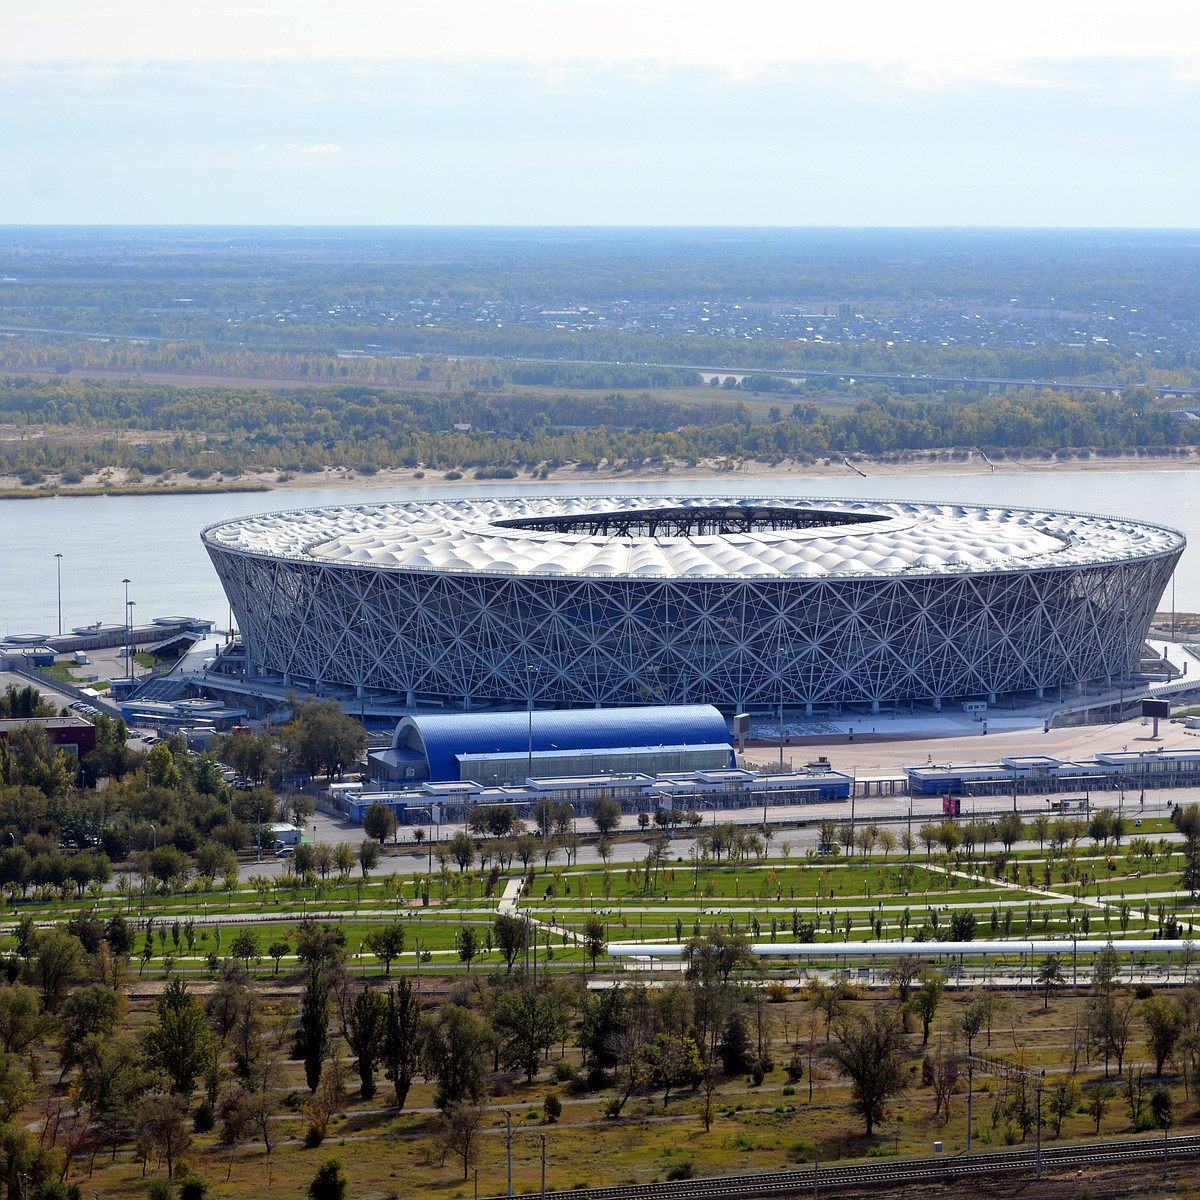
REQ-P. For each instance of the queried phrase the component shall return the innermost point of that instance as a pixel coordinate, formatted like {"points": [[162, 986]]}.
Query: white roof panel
{"points": [[690, 537]]}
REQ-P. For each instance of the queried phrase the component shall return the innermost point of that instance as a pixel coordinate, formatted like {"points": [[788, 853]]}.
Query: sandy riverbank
{"points": [[933, 465]]}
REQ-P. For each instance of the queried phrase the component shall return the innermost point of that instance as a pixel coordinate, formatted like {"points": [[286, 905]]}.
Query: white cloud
{"points": [[314, 148], [930, 40]]}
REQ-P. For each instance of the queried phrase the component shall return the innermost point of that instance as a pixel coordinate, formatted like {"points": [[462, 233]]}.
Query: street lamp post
{"points": [[58, 564]]}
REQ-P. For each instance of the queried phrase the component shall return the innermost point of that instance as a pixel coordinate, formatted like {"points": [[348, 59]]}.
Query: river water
{"points": [[154, 541]]}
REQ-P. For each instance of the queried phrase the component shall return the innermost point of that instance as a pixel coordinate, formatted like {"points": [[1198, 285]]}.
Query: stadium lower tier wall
{"points": [[472, 639]]}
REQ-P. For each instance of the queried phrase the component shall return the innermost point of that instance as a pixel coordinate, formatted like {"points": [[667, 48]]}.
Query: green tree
{"points": [[1050, 977], [1009, 830], [244, 947], [925, 1000], [1106, 970], [675, 1062], [1096, 1102], [379, 822], [462, 849], [57, 962], [403, 1039], [528, 1022], [1164, 1022], [1186, 819], [312, 1037], [322, 738], [606, 815], [386, 943], [870, 1053], [717, 954], [90, 1011], [1162, 1107], [366, 1027], [508, 936], [330, 1182], [466, 942], [179, 1043], [595, 936], [368, 857], [277, 951], [1062, 1099], [455, 1045], [21, 1022]]}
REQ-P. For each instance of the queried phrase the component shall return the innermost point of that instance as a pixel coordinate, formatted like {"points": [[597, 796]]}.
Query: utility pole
{"points": [[508, 1146], [543, 1166], [970, 1098], [1004, 1069], [58, 563]]}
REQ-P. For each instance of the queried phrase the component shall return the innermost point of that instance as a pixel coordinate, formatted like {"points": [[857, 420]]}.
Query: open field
{"points": [[756, 1124]]}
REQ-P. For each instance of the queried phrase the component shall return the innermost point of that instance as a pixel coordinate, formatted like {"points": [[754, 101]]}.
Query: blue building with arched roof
{"points": [[509, 747]]}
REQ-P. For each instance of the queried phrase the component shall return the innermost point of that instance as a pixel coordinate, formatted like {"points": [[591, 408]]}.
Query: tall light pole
{"points": [[58, 564], [130, 605], [128, 628]]}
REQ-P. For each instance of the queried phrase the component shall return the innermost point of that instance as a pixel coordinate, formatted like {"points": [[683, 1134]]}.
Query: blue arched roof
{"points": [[445, 735]]}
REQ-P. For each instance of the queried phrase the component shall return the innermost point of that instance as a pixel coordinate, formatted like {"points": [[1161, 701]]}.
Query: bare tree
{"points": [[457, 1132]]}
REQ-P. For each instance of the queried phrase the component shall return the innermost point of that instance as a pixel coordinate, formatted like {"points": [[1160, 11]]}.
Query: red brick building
{"points": [[62, 731]]}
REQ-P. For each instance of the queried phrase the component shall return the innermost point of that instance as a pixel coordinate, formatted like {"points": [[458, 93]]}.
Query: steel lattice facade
{"points": [[496, 603]]}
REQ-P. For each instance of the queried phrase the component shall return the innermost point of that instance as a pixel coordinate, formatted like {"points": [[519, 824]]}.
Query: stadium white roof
{"points": [[779, 538]]}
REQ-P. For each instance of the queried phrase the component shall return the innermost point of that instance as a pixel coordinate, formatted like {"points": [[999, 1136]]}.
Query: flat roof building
{"points": [[510, 747]]}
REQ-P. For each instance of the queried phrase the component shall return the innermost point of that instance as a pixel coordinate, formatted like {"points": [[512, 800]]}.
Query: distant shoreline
{"points": [[50, 493], [391, 478]]}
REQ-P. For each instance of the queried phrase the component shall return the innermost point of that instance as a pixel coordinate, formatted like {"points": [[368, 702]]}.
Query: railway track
{"points": [[887, 1173]]}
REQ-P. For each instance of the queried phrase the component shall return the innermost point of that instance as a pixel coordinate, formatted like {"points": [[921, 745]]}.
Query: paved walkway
{"points": [[511, 895]]}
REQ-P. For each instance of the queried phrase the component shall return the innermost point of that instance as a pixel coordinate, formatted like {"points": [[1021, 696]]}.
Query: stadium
{"points": [[740, 603]]}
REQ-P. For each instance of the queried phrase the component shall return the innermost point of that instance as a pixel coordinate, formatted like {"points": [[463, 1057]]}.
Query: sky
{"points": [[610, 112]]}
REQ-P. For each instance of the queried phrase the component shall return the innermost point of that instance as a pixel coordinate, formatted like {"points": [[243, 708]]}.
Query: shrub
{"points": [[564, 1072], [314, 1137], [1143, 991], [683, 1170], [202, 1122], [552, 1108]]}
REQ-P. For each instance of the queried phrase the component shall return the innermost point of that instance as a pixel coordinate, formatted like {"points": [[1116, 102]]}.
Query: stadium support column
{"points": [[530, 672], [1124, 660]]}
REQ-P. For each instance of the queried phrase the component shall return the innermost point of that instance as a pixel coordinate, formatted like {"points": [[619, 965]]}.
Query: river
{"points": [[154, 541]]}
